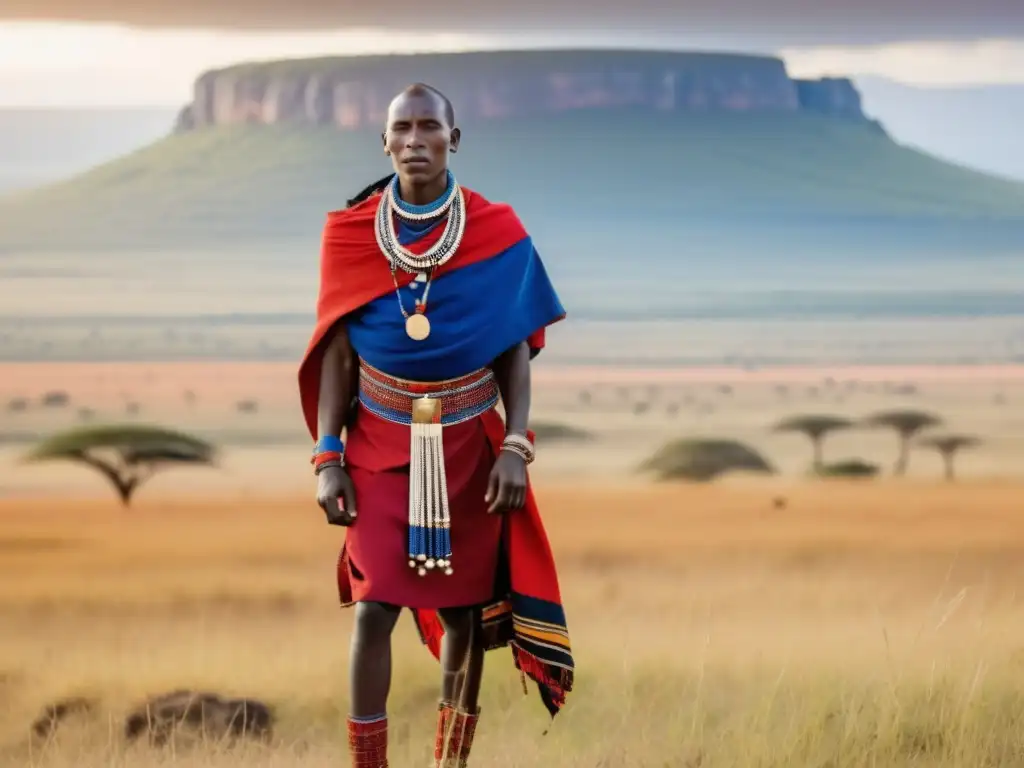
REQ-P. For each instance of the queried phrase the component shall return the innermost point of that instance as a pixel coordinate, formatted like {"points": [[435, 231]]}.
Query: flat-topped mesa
{"points": [[353, 92]]}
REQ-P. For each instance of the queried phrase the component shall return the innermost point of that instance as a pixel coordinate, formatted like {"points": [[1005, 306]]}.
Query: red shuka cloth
{"points": [[353, 272]]}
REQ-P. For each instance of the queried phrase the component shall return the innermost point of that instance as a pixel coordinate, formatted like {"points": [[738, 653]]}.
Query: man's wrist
{"points": [[520, 445], [328, 451], [323, 466]]}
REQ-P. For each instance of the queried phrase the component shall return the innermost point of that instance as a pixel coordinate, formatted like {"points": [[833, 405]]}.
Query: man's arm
{"points": [[338, 374], [506, 488], [338, 377], [512, 372]]}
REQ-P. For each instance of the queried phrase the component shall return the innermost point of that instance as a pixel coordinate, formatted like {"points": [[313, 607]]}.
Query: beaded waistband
{"points": [[461, 399]]}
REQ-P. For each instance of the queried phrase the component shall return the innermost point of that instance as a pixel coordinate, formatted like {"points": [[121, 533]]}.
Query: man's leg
{"points": [[462, 658], [458, 638], [370, 683], [468, 692]]}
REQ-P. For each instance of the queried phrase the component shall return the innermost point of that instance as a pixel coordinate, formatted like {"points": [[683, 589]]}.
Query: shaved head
{"points": [[422, 89]]}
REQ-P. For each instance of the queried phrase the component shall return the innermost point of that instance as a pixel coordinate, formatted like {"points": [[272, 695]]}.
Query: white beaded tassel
{"points": [[430, 453], [428, 495], [428, 492], [439, 494], [417, 483], [445, 523]]}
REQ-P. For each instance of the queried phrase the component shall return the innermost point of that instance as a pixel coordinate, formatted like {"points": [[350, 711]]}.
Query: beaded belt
{"points": [[457, 400], [427, 407]]}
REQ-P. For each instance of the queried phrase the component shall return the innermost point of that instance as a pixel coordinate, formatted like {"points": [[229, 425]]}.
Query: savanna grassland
{"points": [[860, 625], [776, 621]]}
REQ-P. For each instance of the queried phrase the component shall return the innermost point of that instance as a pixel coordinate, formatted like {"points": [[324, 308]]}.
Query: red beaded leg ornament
{"points": [[368, 742], [454, 739], [445, 715]]}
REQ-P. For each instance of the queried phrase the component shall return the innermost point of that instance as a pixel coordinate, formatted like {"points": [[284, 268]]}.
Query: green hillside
{"points": [[598, 173]]}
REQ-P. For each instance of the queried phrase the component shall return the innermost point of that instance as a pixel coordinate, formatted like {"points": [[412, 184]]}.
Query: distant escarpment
{"points": [[354, 92]]}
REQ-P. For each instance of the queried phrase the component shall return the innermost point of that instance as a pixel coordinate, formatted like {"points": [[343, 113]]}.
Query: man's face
{"points": [[419, 138]]}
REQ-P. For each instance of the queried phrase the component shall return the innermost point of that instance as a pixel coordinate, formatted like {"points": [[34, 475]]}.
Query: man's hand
{"points": [[336, 496], [506, 487]]}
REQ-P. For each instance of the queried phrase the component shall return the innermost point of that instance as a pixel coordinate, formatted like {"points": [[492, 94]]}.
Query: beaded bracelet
{"points": [[327, 457], [320, 467], [329, 450], [331, 443], [519, 445]]}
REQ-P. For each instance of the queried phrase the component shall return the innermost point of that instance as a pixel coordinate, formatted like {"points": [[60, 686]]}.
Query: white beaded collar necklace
{"points": [[400, 257]]}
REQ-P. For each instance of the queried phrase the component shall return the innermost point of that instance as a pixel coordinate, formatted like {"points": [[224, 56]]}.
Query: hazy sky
{"points": [[787, 21], [65, 62]]}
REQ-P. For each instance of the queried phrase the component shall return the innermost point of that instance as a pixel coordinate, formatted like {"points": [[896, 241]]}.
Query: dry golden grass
{"points": [[860, 625]]}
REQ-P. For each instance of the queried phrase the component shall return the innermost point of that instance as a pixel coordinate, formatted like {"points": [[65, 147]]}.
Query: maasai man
{"points": [[432, 303]]}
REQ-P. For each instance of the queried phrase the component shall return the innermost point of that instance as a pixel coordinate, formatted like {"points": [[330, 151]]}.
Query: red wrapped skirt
{"points": [[377, 456]]}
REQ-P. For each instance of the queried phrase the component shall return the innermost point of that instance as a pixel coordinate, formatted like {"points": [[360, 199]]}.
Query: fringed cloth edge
{"points": [[540, 649]]}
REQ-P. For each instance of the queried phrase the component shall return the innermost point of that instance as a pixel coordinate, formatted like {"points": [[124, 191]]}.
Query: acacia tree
{"points": [[703, 460], [906, 424], [948, 446], [127, 455], [815, 427]]}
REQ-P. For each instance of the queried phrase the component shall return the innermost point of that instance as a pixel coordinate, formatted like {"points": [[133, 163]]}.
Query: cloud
{"points": [[984, 62], [770, 23], [85, 64], [50, 64]]}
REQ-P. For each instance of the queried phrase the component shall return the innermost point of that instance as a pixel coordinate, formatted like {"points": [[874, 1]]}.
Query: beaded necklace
{"points": [[452, 203], [431, 210]]}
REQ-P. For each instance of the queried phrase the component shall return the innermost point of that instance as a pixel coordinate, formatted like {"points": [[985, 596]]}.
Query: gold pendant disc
{"points": [[417, 327]]}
